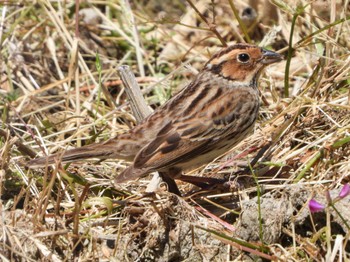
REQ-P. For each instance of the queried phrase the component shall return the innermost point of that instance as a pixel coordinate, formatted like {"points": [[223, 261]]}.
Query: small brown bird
{"points": [[207, 118]]}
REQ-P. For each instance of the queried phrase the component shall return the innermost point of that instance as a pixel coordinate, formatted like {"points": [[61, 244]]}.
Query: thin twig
{"points": [[240, 22], [210, 25]]}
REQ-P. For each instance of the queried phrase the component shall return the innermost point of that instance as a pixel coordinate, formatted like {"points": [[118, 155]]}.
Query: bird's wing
{"points": [[181, 140], [165, 150]]}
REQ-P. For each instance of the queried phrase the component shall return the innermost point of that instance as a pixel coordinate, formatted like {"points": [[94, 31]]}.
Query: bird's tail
{"points": [[106, 150]]}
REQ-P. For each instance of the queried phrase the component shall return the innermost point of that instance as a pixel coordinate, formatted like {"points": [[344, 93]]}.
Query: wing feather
{"points": [[182, 139]]}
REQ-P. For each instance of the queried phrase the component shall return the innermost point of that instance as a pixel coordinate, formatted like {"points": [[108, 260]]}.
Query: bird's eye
{"points": [[243, 58]]}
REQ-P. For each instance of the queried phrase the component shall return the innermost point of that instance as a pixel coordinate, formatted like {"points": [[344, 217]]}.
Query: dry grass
{"points": [[52, 99]]}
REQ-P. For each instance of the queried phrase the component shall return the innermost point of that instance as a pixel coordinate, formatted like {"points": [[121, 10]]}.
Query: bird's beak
{"points": [[270, 57]]}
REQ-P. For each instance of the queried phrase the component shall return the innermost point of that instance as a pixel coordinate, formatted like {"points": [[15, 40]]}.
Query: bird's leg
{"points": [[168, 179], [202, 182]]}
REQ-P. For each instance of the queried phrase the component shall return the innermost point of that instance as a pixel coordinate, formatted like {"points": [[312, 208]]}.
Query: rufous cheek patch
{"points": [[233, 71]]}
